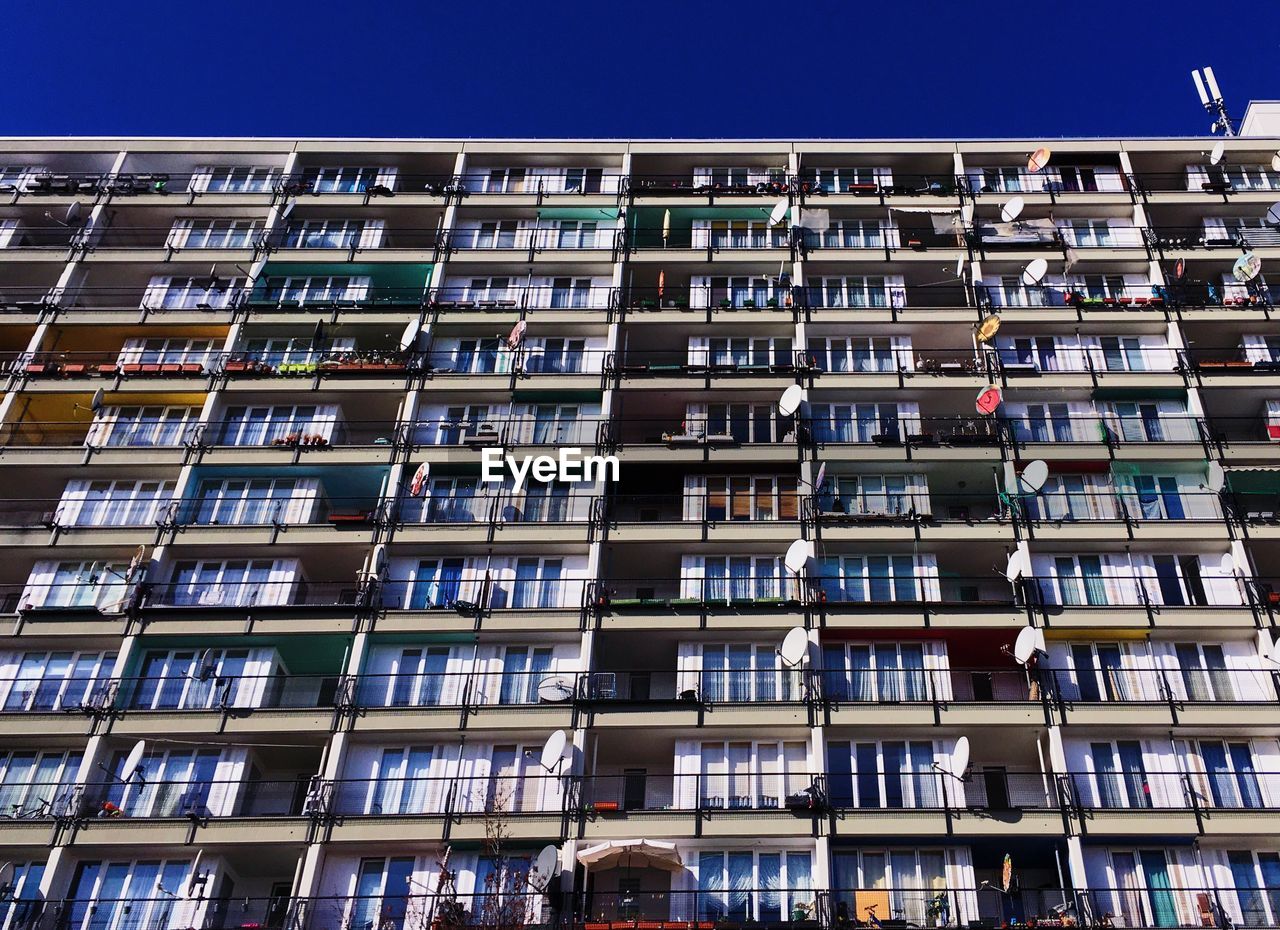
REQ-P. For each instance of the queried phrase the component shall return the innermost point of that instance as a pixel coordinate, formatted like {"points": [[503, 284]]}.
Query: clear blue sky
{"points": [[622, 68]]}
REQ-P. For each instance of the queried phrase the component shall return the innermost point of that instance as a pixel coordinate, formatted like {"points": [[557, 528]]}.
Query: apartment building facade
{"points": [[280, 657]]}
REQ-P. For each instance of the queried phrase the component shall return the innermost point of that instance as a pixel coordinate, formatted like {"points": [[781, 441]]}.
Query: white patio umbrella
{"points": [[631, 854]]}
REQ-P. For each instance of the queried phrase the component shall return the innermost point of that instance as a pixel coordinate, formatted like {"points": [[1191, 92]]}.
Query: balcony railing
{"points": [[296, 593], [196, 799], [483, 594], [473, 689], [1130, 789], [213, 691], [512, 793], [1160, 685], [1132, 589], [566, 505]]}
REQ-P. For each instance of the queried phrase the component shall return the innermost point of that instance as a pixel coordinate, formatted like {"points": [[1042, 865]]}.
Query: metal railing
{"points": [[195, 798], [907, 429], [1119, 589], [506, 792], [474, 688], [294, 593], [207, 689], [1137, 789], [483, 594], [1183, 685], [710, 507], [566, 504]]}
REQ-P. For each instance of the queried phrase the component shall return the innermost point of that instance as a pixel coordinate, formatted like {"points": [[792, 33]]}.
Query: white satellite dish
{"points": [[795, 647], [256, 268], [555, 689], [195, 878], [1035, 271], [378, 563], [1247, 267], [1034, 476], [1019, 563], [1012, 210], [1215, 477], [966, 214], [1275, 162], [133, 760], [959, 269], [1219, 150], [202, 668], [1227, 565], [1030, 640], [96, 403], [1273, 213], [409, 336], [1266, 646], [6, 879], [822, 475], [418, 483], [791, 400], [74, 211], [798, 555], [959, 758], [779, 212], [553, 751], [543, 868]]}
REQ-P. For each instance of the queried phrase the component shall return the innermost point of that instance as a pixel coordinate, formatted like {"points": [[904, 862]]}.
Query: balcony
{"points": [[1212, 698]]}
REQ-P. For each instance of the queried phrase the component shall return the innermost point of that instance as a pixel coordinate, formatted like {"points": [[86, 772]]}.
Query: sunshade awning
{"points": [[634, 854]]}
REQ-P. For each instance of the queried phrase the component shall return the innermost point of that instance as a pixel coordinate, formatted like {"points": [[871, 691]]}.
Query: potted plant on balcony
{"points": [[724, 303]]}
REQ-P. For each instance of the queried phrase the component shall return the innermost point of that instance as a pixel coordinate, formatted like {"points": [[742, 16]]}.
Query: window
{"points": [[453, 500], [1120, 775], [870, 579], [38, 784], [742, 673], [753, 885], [553, 424], [435, 583], [537, 583], [314, 289], [344, 180], [1105, 672], [331, 234], [751, 498], [882, 495], [742, 578], [892, 773], [481, 356], [462, 423], [523, 668], [122, 895], [143, 426], [1202, 670], [852, 291], [236, 179], [234, 582], [114, 503], [80, 585], [47, 681], [570, 292], [1079, 581], [854, 234], [856, 422], [417, 678], [190, 679], [1224, 771], [878, 672], [382, 894], [743, 291], [178, 293], [751, 776], [908, 884], [263, 426], [544, 502], [255, 501], [214, 234], [1044, 423], [557, 356], [172, 783], [168, 352], [498, 234], [402, 784], [742, 422], [575, 234]]}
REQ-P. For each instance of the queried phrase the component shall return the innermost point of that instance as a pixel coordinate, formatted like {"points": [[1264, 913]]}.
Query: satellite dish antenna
{"points": [[1030, 640], [543, 868], [959, 269], [1019, 564], [779, 212], [1273, 212], [256, 268], [988, 399], [553, 751], [798, 555], [1247, 267], [1219, 149], [795, 647], [135, 563], [95, 404], [74, 211], [955, 764], [202, 668], [1215, 477], [378, 564], [554, 689], [1038, 159], [1034, 476], [196, 879], [966, 214], [1035, 271], [1228, 564], [409, 336], [791, 400], [985, 330], [516, 336], [1266, 646], [822, 475], [133, 760], [1179, 269], [6, 880], [418, 483], [1012, 210]]}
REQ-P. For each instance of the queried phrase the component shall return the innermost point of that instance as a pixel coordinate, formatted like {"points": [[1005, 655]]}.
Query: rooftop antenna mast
{"points": [[1211, 99]]}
